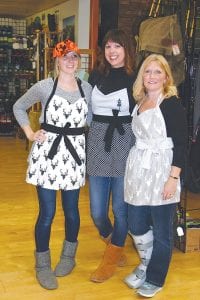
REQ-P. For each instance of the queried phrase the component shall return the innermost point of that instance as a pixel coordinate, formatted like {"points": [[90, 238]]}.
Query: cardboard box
{"points": [[192, 240]]}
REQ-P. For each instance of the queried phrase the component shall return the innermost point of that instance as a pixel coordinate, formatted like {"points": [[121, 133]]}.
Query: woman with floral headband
{"points": [[57, 157]]}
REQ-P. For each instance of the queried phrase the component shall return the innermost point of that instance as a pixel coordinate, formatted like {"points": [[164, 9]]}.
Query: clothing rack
{"points": [[192, 54], [188, 13], [192, 50], [160, 8]]}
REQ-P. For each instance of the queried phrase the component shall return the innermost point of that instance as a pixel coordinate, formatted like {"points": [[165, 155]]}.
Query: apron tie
{"points": [[152, 146], [63, 132], [115, 122]]}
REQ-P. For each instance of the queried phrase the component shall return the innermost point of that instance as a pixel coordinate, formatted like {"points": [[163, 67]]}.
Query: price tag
{"points": [[175, 49], [180, 231]]}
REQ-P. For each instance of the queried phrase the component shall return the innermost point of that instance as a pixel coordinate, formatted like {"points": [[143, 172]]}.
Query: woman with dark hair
{"points": [[109, 141]]}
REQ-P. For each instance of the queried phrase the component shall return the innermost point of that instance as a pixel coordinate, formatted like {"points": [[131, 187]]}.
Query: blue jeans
{"points": [[47, 209], [100, 189], [160, 218]]}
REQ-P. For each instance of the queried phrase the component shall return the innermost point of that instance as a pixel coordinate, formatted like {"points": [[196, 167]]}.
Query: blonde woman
{"points": [[57, 158], [152, 177]]}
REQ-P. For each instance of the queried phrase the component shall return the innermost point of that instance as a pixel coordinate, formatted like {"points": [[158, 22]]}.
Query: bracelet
{"points": [[174, 177]]}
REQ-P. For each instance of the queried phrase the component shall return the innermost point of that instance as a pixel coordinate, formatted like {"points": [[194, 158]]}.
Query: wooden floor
{"points": [[18, 211]]}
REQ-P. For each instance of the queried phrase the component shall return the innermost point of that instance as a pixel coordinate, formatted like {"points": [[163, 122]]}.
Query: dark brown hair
{"points": [[120, 37]]}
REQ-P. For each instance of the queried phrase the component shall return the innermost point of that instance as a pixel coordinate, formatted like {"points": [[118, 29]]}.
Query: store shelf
{"points": [[188, 222], [17, 72]]}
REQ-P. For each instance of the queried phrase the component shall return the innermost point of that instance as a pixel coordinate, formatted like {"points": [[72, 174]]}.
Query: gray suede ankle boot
{"points": [[67, 259], [44, 273]]}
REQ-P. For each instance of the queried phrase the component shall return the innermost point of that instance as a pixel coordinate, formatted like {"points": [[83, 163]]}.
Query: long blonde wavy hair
{"points": [[169, 88]]}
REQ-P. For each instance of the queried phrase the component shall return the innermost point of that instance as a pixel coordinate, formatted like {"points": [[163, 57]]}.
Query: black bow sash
{"points": [[115, 122], [63, 132]]}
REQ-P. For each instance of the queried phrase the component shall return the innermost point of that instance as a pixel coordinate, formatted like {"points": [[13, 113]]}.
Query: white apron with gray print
{"points": [[149, 162]]}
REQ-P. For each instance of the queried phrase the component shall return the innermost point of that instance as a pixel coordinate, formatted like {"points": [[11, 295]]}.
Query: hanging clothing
{"points": [[196, 116], [149, 162], [59, 162]]}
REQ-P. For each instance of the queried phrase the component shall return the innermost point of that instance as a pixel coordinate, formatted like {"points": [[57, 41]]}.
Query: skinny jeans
{"points": [[47, 210], [102, 190]]}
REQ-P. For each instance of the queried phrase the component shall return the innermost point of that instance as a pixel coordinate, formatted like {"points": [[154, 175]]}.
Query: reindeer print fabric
{"points": [[61, 172], [149, 162]]}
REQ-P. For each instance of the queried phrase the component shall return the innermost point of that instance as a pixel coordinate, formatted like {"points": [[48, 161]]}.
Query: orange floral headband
{"points": [[65, 47]]}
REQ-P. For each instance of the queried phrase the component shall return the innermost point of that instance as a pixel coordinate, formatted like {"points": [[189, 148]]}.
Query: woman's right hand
{"points": [[39, 135]]}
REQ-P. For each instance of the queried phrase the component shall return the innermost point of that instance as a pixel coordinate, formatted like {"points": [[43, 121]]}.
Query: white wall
{"points": [[83, 25]]}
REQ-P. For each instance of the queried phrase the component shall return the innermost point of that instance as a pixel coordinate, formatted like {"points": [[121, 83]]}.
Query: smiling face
{"points": [[154, 77], [68, 63], [114, 54]]}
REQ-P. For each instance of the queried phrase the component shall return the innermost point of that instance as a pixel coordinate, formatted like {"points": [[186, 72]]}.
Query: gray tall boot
{"points": [[44, 273], [144, 245], [67, 259]]}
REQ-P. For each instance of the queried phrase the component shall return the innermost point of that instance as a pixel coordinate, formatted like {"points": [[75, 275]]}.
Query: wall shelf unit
{"points": [[17, 71]]}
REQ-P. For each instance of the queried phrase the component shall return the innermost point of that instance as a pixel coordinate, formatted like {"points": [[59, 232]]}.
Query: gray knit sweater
{"points": [[40, 92]]}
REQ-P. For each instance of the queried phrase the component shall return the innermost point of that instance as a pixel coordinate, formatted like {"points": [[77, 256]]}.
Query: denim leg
{"points": [[162, 217], [47, 209], [139, 219], [70, 201], [119, 208], [99, 189]]}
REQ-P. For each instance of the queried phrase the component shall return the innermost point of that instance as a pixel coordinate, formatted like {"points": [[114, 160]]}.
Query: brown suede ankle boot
{"points": [[123, 259], [108, 264]]}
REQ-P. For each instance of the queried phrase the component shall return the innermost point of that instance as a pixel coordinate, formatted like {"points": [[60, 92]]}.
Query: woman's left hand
{"points": [[169, 188]]}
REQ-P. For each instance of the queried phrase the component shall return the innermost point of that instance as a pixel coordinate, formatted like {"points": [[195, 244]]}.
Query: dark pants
{"points": [[47, 209], [160, 218]]}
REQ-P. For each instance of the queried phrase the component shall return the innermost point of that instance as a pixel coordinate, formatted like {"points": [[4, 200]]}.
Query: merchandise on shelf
{"points": [[17, 68]]}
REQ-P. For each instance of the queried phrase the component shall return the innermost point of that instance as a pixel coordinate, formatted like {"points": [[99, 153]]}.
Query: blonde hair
{"points": [[169, 89], [56, 68]]}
